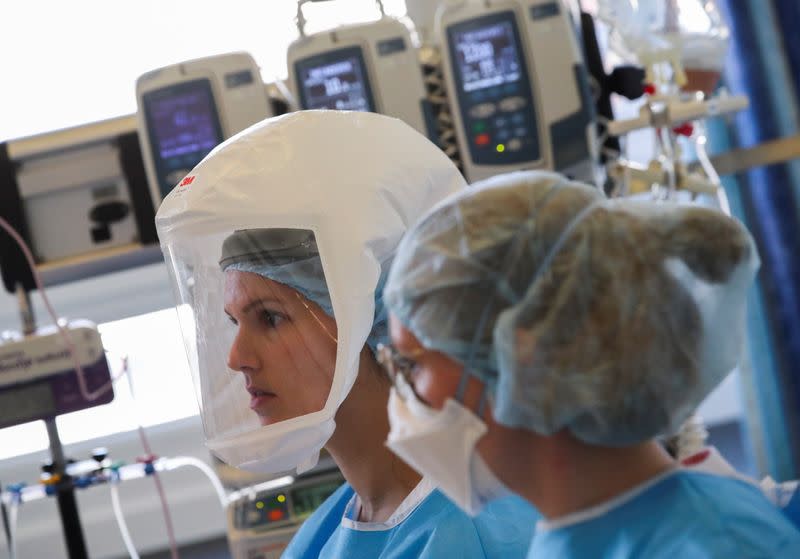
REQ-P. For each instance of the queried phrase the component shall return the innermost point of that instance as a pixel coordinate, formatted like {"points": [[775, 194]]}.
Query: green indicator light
{"points": [[500, 148], [281, 498], [260, 505]]}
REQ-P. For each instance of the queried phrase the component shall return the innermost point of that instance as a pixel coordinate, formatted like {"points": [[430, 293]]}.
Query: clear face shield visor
{"points": [[258, 323]]}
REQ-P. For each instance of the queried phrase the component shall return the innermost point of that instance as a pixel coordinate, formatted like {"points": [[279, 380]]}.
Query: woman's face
{"points": [[285, 346], [435, 378]]}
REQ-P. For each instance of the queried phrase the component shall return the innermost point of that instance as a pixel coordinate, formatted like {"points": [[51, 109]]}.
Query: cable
{"points": [[181, 461], [123, 527], [173, 546], [430, 59], [90, 396]]}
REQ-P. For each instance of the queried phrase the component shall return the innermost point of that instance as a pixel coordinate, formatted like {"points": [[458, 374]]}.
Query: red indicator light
{"points": [[275, 514], [482, 140]]}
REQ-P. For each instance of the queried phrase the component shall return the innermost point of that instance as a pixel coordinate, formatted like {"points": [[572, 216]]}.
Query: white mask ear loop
{"points": [[322, 325]]}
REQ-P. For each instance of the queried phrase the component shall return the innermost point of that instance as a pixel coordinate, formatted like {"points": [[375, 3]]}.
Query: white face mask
{"points": [[440, 445]]}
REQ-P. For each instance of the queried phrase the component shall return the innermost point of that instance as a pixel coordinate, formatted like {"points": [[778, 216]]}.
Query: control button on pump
{"points": [[484, 110], [511, 104], [514, 145], [479, 127], [482, 140]]}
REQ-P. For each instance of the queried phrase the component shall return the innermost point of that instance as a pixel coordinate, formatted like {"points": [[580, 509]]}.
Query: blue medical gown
{"points": [[686, 515], [435, 529], [792, 509]]}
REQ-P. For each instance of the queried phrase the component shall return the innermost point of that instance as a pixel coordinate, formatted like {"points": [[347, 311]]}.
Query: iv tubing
{"points": [[123, 527]]}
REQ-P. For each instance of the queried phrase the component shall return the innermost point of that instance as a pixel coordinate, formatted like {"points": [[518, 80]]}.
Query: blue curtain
{"points": [[764, 64]]}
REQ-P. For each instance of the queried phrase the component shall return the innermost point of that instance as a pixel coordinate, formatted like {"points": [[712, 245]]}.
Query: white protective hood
{"points": [[357, 181]]}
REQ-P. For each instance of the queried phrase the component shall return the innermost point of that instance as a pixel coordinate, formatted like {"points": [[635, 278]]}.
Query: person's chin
{"points": [[266, 407]]}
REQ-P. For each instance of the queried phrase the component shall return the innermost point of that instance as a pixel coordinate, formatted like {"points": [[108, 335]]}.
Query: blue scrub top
{"points": [[792, 509], [435, 528], [686, 515]]}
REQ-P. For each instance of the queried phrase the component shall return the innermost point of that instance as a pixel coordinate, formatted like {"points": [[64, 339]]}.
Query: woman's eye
{"points": [[270, 318], [233, 320]]}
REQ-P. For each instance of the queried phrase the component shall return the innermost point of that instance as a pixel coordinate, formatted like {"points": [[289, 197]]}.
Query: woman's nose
{"points": [[242, 355]]}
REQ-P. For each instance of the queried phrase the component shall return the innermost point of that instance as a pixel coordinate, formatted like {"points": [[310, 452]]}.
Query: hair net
{"points": [[610, 318], [291, 257]]}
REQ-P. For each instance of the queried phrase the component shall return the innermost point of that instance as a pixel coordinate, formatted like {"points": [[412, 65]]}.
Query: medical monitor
{"points": [[184, 126], [335, 79]]}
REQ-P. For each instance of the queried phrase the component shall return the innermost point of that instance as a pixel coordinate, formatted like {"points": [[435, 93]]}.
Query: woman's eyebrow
{"points": [[261, 302]]}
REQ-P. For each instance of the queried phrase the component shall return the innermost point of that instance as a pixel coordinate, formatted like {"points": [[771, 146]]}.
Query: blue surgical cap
{"points": [[612, 319]]}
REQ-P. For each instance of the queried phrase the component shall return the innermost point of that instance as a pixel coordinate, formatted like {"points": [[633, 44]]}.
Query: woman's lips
{"points": [[259, 399]]}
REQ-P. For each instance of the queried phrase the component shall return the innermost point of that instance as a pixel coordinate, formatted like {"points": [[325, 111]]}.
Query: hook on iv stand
{"points": [[300, 18]]}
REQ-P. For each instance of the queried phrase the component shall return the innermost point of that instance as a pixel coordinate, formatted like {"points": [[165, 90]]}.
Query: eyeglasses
{"points": [[396, 364]]}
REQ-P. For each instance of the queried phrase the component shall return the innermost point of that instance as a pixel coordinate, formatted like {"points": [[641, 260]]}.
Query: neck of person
{"points": [[570, 476], [358, 445]]}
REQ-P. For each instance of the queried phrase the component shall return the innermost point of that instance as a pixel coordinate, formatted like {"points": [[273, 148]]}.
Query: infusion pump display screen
{"points": [[488, 56], [495, 94], [183, 126], [335, 80]]}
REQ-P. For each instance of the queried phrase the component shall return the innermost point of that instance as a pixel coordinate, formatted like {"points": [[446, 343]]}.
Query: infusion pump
{"points": [[187, 109], [516, 77], [263, 519], [363, 67]]}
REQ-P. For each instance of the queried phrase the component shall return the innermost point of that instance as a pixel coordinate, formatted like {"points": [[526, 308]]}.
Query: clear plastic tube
{"points": [[708, 167], [181, 461], [123, 527]]}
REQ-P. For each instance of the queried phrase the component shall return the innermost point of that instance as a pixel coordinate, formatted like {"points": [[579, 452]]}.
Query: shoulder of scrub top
{"points": [[316, 530], [438, 528], [507, 526]]}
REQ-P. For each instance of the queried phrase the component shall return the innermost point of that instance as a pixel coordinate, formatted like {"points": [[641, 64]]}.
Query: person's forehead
{"points": [[249, 284]]}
